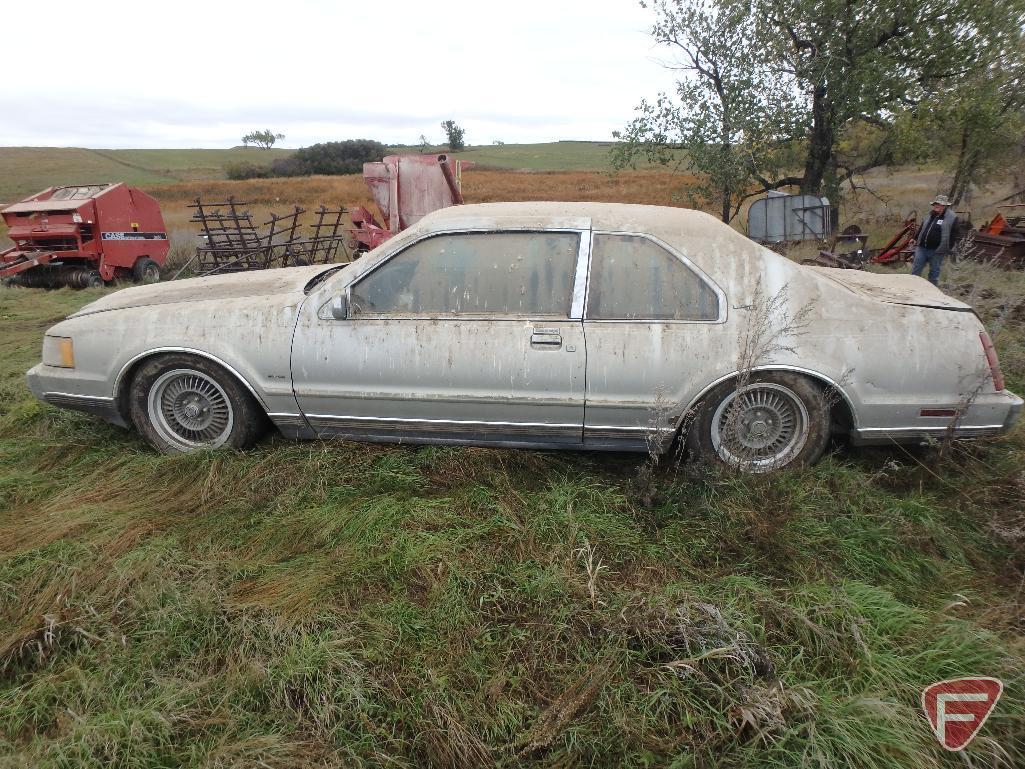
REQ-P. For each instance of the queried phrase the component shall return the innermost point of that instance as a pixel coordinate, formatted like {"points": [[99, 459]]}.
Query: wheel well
{"points": [[124, 381], [840, 411]]}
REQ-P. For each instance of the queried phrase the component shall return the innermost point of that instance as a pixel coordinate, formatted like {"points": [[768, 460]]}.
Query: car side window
{"points": [[474, 273], [634, 278]]}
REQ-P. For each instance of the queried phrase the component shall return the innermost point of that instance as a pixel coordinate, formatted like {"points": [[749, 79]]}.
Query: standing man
{"points": [[933, 243]]}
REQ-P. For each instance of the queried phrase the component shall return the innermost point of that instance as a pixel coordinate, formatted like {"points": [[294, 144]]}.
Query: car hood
{"points": [[289, 280], [893, 289]]}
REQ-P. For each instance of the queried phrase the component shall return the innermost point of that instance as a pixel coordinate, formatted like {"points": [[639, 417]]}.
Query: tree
{"points": [[731, 120], [345, 157], [423, 144], [859, 61], [454, 135], [264, 139], [856, 67], [979, 124]]}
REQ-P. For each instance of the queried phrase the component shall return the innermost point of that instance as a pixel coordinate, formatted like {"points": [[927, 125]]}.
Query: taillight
{"points": [[992, 360]]}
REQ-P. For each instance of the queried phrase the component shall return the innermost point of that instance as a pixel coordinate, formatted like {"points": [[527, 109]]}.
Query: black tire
{"points": [[93, 279], [145, 270], [777, 420], [182, 403]]}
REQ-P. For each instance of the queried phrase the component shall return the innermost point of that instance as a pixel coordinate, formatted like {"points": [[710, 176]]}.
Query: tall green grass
{"points": [[353, 605]]}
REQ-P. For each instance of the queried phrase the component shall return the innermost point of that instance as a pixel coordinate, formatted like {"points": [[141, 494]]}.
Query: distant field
{"points": [[553, 156], [25, 170]]}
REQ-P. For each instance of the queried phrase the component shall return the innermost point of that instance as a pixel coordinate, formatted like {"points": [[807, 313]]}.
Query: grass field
{"points": [[333, 604], [352, 605], [26, 170]]}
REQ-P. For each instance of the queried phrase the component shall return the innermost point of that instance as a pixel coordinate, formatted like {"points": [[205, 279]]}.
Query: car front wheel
{"points": [[181, 403], [775, 420]]}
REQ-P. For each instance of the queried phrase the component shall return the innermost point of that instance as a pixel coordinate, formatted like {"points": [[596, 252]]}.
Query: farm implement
{"points": [[405, 187], [231, 242], [1002, 240], [901, 247], [84, 236]]}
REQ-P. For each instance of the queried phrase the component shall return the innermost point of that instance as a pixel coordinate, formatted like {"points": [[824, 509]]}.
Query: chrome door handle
{"points": [[546, 336], [554, 341]]}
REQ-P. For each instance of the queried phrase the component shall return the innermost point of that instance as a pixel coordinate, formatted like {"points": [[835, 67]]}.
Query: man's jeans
{"points": [[923, 255]]}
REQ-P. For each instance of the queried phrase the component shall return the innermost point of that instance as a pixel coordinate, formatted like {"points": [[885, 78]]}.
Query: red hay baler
{"points": [[84, 236]]}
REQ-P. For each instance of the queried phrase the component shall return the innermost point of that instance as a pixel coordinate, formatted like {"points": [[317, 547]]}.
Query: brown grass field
{"points": [[895, 193]]}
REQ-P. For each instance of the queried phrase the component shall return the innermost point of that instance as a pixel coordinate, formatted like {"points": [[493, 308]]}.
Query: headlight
{"points": [[58, 351]]}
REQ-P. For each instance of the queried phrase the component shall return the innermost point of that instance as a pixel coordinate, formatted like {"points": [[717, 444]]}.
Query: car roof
{"points": [[603, 215], [704, 239]]}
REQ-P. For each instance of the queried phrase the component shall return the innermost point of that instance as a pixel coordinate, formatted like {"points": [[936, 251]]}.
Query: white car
{"points": [[544, 325]]}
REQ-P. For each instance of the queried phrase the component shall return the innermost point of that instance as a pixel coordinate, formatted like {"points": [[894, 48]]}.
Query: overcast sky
{"points": [[201, 74]]}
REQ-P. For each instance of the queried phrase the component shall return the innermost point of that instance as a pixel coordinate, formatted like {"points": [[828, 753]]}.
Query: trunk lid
{"points": [[893, 289]]}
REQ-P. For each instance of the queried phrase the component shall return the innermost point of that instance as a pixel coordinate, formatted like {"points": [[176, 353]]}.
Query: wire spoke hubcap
{"points": [[190, 410], [760, 427]]}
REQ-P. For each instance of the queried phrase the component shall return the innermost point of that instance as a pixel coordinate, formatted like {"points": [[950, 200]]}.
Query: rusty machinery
{"points": [[1002, 240], [232, 243], [84, 235], [406, 188]]}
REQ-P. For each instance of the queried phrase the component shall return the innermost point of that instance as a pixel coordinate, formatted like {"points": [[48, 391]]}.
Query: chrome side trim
{"points": [[98, 405], [332, 424], [881, 435], [78, 398], [308, 392], [926, 430], [470, 422], [773, 367], [191, 351], [581, 276]]}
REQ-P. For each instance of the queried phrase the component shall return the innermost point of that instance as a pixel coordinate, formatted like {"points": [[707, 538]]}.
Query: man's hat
{"points": [[942, 200]]}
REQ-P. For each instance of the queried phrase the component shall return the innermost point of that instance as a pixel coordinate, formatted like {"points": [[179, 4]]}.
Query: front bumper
{"points": [[60, 390]]}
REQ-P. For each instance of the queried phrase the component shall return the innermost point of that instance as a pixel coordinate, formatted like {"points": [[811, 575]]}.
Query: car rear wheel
{"points": [[181, 403], [776, 420], [145, 270]]}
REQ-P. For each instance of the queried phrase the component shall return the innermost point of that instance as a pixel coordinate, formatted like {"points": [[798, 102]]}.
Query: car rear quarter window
{"points": [[479, 274], [634, 278]]}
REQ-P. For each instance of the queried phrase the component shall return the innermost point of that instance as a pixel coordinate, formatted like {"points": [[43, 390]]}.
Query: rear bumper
{"points": [[996, 421], [53, 390]]}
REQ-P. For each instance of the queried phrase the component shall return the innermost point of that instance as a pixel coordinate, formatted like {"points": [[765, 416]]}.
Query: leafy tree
{"points": [[731, 119], [979, 124], [837, 81], [265, 139], [861, 62], [453, 135], [344, 157]]}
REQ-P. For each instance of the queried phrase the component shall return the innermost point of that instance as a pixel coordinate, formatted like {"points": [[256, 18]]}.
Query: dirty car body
{"points": [[569, 325]]}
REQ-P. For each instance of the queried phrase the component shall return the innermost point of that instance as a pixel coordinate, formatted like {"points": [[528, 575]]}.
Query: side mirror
{"points": [[338, 309]]}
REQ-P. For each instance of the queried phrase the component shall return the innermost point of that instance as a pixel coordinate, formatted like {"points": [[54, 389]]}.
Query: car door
{"points": [[654, 324], [466, 336]]}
